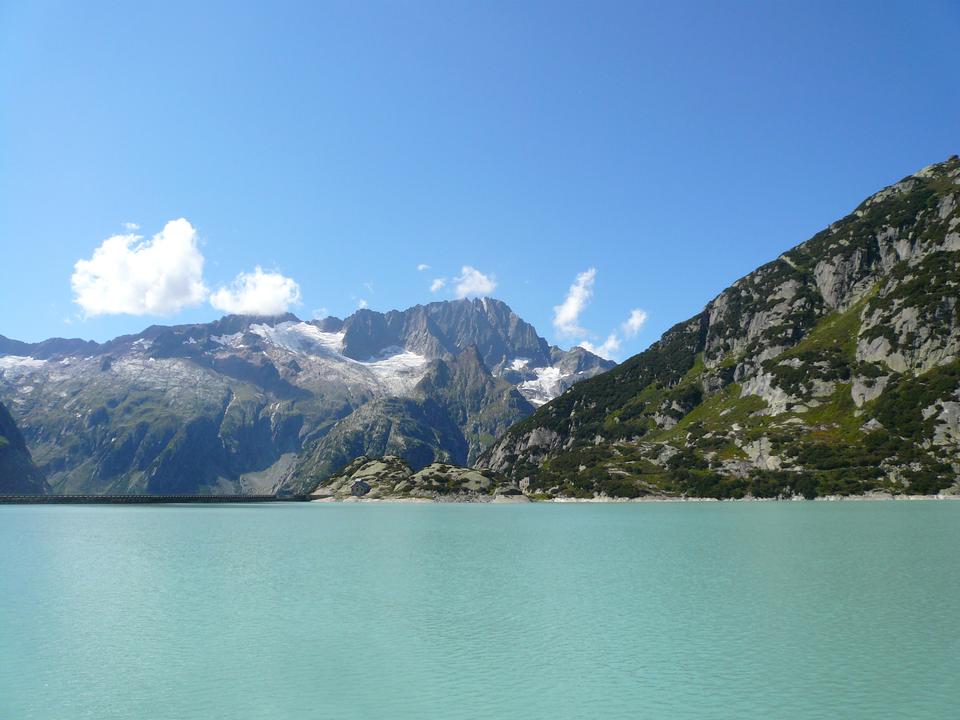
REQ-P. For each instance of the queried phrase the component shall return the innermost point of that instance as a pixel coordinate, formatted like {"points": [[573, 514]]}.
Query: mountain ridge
{"points": [[831, 369], [231, 403]]}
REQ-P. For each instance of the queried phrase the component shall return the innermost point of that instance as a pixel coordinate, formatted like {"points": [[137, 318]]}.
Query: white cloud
{"points": [[567, 314], [369, 287], [257, 293], [473, 282], [566, 318], [362, 304], [128, 275], [438, 284], [423, 266], [130, 226], [607, 349], [634, 323], [320, 313]]}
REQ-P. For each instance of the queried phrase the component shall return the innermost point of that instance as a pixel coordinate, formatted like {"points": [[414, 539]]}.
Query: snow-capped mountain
{"points": [[227, 406]]}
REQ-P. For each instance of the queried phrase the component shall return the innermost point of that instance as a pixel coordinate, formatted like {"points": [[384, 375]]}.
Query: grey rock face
{"points": [[18, 474]]}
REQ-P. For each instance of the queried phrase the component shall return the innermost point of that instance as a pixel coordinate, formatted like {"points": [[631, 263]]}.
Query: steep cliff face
{"points": [[455, 412], [832, 369], [18, 474], [390, 478]]}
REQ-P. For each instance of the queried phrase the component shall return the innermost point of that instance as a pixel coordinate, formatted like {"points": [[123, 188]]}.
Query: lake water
{"points": [[734, 610]]}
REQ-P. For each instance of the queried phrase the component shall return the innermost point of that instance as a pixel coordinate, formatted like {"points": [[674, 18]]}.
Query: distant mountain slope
{"points": [[832, 369], [227, 406], [454, 412], [18, 474]]}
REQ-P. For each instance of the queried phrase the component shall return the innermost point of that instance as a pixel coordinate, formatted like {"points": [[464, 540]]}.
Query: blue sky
{"points": [[668, 147]]}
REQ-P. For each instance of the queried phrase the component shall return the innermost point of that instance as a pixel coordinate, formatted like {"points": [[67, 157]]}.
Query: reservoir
{"points": [[658, 610]]}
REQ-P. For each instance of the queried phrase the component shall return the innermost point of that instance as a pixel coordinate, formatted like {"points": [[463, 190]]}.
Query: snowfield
{"points": [[301, 337], [318, 356], [394, 372], [19, 364], [545, 387]]}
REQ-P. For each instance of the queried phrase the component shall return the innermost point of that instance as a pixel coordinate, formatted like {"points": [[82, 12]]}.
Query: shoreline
{"points": [[452, 500], [147, 499], [868, 497]]}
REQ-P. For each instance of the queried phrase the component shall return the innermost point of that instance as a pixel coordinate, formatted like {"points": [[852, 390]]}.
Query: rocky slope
{"points": [[229, 406], [390, 478], [834, 369], [456, 410], [18, 474]]}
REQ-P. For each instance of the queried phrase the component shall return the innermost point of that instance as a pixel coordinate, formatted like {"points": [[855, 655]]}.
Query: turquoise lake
{"points": [[699, 610]]}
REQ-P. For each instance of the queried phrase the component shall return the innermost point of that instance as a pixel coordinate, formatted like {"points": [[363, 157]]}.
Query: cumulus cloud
{"points": [[634, 324], [257, 293], [130, 226], [473, 282], [566, 318], [607, 349], [423, 266], [438, 284], [362, 304], [130, 275], [566, 315]]}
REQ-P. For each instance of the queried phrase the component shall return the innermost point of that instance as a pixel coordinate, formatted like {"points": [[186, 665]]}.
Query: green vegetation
{"points": [[932, 286], [901, 407]]}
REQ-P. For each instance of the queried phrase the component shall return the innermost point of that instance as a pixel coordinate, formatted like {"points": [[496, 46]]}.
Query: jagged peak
{"points": [[245, 321], [948, 170]]}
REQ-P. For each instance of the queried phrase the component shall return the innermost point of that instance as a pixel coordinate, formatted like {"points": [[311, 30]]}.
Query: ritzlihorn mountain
{"points": [[832, 370], [257, 405]]}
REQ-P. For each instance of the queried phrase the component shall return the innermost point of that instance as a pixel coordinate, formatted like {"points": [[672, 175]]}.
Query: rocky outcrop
{"points": [[390, 478]]}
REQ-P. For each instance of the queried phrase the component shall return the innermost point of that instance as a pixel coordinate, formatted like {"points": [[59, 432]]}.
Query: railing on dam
{"points": [[143, 499]]}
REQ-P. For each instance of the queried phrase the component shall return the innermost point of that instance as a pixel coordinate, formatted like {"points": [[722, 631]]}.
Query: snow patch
{"points": [[398, 369], [301, 337], [545, 387], [227, 340], [19, 362]]}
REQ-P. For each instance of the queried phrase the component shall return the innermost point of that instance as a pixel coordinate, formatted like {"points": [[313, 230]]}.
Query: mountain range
{"points": [[260, 404], [833, 369]]}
